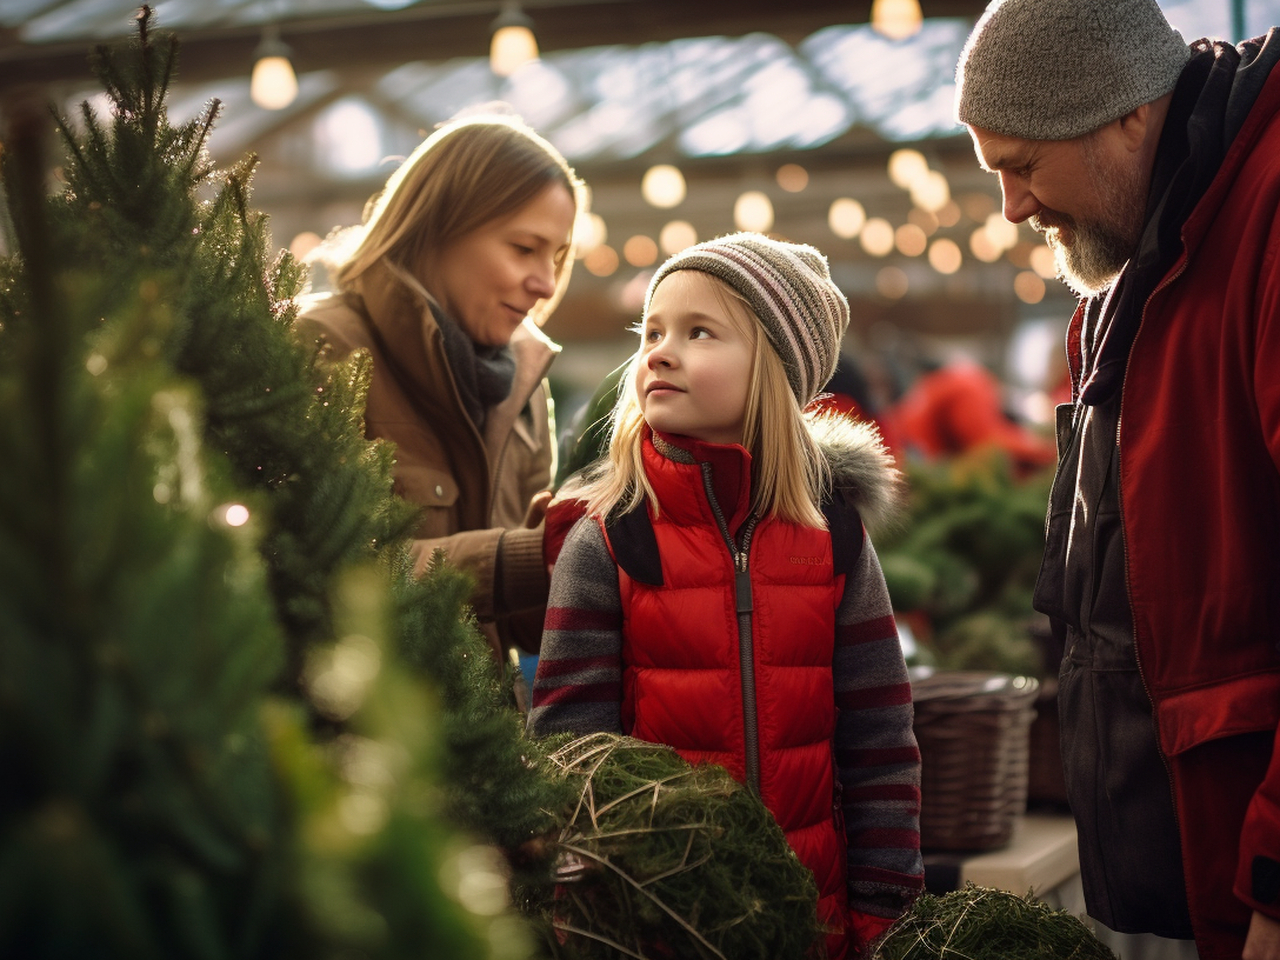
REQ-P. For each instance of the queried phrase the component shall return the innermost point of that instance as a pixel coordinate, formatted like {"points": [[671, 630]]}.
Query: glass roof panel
{"points": [[703, 97]]}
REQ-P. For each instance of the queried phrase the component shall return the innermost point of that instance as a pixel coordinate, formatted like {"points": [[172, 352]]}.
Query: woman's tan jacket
{"points": [[475, 487]]}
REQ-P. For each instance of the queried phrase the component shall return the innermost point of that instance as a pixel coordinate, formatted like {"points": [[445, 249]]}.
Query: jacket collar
{"points": [[862, 469], [679, 468]]}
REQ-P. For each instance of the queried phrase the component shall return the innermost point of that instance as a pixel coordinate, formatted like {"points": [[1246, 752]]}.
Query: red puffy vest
{"points": [[735, 668]]}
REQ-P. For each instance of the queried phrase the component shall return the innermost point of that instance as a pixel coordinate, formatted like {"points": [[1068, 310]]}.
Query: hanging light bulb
{"points": [[896, 19], [513, 44], [273, 85]]}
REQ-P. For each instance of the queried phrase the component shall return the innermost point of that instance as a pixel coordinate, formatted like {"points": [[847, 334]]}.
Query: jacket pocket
{"points": [[1247, 704]]}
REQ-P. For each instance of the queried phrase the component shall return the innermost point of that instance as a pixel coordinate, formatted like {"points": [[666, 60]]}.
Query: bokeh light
{"points": [[1043, 262], [892, 283], [753, 211], [589, 231], [1029, 286], [235, 515], [792, 177], [931, 192], [907, 167], [640, 251], [846, 217], [983, 247], [663, 186], [910, 240], [877, 237], [303, 244], [676, 236], [601, 261], [945, 256]]}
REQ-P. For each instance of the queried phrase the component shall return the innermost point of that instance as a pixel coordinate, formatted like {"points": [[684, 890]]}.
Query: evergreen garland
{"points": [[659, 858]]}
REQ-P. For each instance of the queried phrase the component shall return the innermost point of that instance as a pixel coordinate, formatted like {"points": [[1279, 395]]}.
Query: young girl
{"points": [[721, 597]]}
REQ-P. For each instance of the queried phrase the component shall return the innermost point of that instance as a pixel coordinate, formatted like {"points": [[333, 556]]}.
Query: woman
{"points": [[463, 256]]}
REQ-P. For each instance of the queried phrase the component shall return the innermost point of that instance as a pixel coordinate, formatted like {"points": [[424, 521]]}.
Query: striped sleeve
{"points": [[578, 685], [877, 758]]}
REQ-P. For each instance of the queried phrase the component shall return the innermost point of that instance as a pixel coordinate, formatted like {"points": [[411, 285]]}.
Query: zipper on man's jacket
{"points": [[1124, 540]]}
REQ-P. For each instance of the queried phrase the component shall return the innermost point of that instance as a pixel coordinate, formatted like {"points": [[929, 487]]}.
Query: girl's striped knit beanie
{"points": [[788, 287]]}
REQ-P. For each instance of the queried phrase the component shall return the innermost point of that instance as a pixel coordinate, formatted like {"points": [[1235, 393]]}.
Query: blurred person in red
{"points": [[957, 408]]}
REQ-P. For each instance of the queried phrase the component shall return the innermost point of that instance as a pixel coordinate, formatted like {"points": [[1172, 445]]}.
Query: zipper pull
{"points": [[742, 589]]}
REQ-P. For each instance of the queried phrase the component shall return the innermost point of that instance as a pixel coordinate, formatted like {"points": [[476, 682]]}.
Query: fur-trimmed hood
{"points": [[861, 466]]}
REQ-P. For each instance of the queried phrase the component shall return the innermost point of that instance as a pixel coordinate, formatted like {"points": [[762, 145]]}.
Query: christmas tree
{"points": [[188, 518], [289, 426]]}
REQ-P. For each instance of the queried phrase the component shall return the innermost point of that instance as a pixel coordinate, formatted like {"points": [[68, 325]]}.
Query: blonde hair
{"points": [[789, 474], [468, 173]]}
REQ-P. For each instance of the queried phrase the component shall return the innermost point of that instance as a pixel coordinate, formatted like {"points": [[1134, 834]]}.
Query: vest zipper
{"points": [[746, 653]]}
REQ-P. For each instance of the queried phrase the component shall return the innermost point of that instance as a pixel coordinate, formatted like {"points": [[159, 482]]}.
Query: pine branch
{"points": [[268, 405], [500, 783]]}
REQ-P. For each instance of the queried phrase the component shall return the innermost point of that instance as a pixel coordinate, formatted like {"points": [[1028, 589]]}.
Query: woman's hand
{"points": [[1263, 941]]}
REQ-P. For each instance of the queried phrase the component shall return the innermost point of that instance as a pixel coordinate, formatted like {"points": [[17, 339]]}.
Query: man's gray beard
{"points": [[1100, 248]]}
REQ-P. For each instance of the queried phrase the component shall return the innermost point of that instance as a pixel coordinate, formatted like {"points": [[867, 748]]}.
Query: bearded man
{"points": [[1153, 169]]}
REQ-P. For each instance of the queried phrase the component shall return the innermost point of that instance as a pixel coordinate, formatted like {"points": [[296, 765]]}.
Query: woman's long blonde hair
{"points": [[789, 473], [469, 172]]}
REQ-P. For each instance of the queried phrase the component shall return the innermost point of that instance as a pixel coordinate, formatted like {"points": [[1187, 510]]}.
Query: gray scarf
{"points": [[483, 374]]}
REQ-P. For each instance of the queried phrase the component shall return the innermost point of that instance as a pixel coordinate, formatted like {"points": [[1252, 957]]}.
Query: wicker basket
{"points": [[973, 732]]}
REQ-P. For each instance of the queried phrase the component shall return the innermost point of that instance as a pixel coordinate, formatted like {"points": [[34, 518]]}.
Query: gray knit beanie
{"points": [[1057, 69], [788, 287]]}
